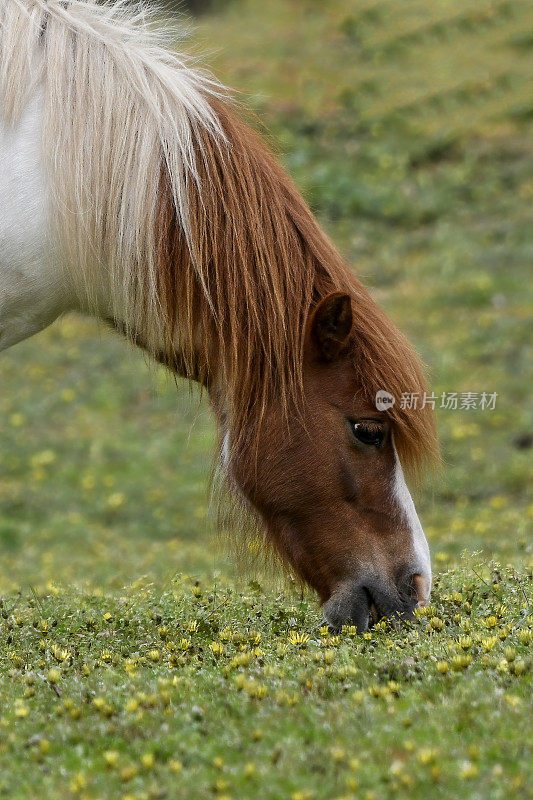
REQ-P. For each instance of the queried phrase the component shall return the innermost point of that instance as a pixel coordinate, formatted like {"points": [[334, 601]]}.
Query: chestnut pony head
{"points": [[329, 487]]}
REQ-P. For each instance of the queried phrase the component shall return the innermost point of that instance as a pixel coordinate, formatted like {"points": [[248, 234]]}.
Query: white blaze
{"points": [[422, 561]]}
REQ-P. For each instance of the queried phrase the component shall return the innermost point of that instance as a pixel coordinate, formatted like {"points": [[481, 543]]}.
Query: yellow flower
{"points": [[518, 667], [43, 459], [21, 710], [128, 773], [111, 758], [297, 638], [338, 754], [148, 760], [427, 755], [526, 636], [461, 661], [116, 500], [78, 783], [469, 771]]}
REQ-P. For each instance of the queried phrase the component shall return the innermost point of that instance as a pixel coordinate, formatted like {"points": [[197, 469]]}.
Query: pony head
{"points": [[328, 484]]}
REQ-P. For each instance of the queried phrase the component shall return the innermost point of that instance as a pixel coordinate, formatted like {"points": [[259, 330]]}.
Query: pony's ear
{"points": [[330, 325]]}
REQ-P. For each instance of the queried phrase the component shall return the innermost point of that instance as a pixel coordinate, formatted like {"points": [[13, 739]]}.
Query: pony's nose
{"points": [[387, 600], [362, 603]]}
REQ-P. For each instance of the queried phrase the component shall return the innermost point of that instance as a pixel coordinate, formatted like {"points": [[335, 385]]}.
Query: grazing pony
{"points": [[131, 190]]}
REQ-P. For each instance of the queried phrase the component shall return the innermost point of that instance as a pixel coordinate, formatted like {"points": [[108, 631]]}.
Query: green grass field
{"points": [[136, 660]]}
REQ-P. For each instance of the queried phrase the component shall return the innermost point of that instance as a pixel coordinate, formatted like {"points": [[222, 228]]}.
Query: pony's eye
{"points": [[368, 432]]}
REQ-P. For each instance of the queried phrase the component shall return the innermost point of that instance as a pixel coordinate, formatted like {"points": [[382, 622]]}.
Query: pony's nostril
{"points": [[421, 589]]}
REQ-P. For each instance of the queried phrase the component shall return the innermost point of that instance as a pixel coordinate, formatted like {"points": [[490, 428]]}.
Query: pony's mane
{"points": [[215, 265]]}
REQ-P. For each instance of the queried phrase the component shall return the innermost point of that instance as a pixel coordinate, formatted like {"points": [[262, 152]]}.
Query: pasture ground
{"points": [[135, 661]]}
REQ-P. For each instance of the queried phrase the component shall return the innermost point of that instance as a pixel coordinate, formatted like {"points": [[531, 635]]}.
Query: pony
{"points": [[131, 189]]}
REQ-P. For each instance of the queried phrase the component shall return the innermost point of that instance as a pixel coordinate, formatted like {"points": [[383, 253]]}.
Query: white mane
{"points": [[118, 105]]}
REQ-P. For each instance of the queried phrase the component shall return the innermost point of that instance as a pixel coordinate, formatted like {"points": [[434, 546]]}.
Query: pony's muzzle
{"points": [[365, 602]]}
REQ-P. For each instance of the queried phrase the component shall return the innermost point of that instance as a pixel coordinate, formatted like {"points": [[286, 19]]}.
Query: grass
{"points": [[135, 660]]}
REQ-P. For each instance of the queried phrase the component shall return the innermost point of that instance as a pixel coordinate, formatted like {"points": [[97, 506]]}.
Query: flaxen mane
{"points": [[211, 258]]}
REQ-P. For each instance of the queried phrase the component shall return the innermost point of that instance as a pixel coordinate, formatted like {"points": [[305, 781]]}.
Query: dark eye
{"points": [[368, 432]]}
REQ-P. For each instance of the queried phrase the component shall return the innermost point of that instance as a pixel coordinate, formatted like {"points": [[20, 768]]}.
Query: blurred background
{"points": [[407, 126]]}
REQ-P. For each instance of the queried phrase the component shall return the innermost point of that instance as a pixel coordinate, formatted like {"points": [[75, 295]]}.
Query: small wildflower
{"points": [[53, 676], [147, 760], [427, 755], [518, 667], [469, 771], [21, 710], [78, 783], [128, 773], [116, 500], [250, 770], [513, 700], [299, 639], [460, 662], [526, 636], [111, 758], [338, 755]]}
